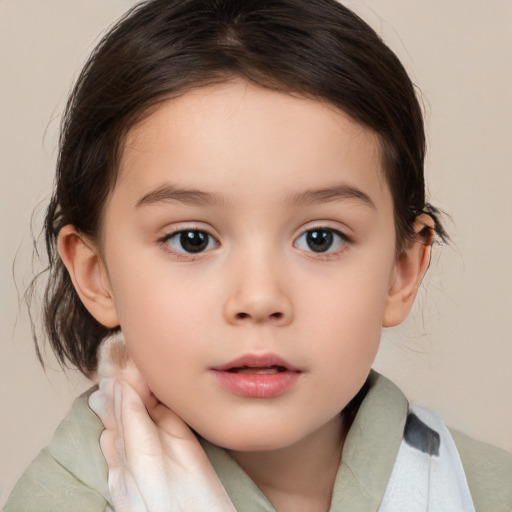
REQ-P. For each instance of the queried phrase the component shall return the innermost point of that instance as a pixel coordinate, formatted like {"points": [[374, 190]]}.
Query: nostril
{"points": [[277, 315]]}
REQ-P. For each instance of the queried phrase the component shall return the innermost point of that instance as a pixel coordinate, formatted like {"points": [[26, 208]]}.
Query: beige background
{"points": [[453, 355]]}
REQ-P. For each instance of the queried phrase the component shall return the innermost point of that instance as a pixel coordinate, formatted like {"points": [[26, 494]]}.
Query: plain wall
{"points": [[453, 355]]}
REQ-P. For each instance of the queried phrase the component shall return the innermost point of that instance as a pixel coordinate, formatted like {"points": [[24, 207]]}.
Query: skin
{"points": [[259, 158]]}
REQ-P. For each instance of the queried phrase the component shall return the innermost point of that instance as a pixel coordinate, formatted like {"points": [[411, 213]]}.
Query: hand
{"points": [[155, 461]]}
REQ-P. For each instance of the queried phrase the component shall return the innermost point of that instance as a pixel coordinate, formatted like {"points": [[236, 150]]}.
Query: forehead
{"points": [[218, 136]]}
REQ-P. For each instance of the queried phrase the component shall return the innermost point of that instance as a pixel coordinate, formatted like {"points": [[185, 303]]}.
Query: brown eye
{"points": [[321, 240], [191, 241]]}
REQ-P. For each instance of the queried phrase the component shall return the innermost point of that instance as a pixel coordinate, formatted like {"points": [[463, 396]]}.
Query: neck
{"points": [[299, 477]]}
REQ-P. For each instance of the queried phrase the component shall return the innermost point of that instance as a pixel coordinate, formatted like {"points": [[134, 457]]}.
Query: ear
{"points": [[410, 267], [88, 274]]}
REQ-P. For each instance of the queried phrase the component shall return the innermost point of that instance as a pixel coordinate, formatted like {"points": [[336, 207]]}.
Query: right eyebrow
{"points": [[333, 193], [168, 193]]}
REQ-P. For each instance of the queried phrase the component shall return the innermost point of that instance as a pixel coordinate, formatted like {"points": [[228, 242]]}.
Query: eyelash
{"points": [[179, 234], [205, 241], [342, 240]]}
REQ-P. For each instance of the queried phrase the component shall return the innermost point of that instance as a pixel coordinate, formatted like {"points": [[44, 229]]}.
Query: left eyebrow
{"points": [[169, 193], [329, 194]]}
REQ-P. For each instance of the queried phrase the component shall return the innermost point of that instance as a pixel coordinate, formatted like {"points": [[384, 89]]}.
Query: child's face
{"points": [[283, 246]]}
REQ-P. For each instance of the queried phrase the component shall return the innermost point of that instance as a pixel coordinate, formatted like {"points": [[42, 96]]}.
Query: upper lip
{"points": [[257, 361]]}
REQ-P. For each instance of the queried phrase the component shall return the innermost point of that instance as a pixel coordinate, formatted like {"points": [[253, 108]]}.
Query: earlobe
{"points": [[410, 267], [88, 274]]}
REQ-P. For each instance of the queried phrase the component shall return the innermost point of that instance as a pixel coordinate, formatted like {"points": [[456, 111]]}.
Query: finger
{"points": [[125, 494], [123, 485], [115, 363], [143, 449], [98, 402], [112, 448], [167, 420], [134, 378], [102, 403], [140, 434]]}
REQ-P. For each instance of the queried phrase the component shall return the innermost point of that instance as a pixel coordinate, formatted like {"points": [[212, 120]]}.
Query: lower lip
{"points": [[255, 385]]}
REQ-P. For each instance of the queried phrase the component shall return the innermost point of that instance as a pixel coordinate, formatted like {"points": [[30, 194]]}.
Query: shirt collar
{"points": [[369, 453]]}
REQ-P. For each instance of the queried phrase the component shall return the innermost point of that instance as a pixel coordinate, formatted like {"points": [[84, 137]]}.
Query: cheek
{"points": [[158, 320], [354, 298], [349, 317], [165, 358], [151, 298]]}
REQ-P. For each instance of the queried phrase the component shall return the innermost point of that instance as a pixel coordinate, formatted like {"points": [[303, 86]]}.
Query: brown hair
{"points": [[163, 48]]}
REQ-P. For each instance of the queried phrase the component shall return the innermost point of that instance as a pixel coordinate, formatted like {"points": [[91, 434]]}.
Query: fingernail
{"points": [[97, 402], [118, 399], [107, 387]]}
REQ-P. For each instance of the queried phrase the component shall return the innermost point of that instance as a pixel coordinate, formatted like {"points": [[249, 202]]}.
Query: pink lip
{"points": [[257, 361], [272, 375]]}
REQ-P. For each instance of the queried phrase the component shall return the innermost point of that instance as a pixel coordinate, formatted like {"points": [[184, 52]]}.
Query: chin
{"points": [[252, 439], [251, 445]]}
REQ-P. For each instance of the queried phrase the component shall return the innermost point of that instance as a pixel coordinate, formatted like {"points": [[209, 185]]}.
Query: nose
{"points": [[256, 297]]}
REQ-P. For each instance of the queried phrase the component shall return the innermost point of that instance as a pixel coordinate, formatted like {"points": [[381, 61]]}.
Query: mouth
{"points": [[257, 376], [266, 370], [257, 363]]}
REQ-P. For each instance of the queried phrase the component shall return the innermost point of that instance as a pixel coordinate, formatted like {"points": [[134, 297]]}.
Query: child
{"points": [[240, 193]]}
